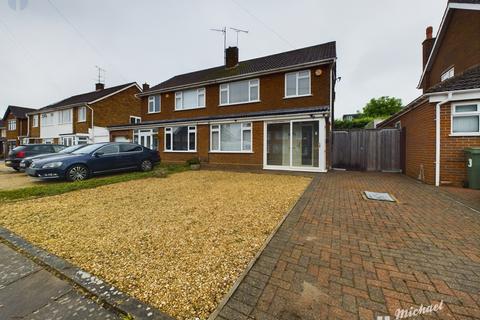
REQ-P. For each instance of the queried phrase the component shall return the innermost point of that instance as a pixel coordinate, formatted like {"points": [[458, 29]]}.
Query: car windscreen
{"points": [[71, 149], [88, 149]]}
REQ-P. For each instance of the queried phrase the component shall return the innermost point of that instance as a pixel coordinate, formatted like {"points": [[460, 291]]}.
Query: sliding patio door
{"points": [[295, 145]]}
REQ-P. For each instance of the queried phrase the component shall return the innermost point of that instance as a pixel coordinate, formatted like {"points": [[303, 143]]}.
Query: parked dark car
{"points": [[16, 155], [95, 159], [25, 163]]}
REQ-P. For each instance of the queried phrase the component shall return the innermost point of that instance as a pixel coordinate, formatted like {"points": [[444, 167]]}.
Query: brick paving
{"points": [[339, 256]]}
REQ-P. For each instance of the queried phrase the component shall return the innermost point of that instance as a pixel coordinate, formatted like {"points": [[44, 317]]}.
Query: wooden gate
{"points": [[367, 150]]}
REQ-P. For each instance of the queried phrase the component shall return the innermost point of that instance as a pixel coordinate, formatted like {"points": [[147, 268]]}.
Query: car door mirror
{"points": [[98, 154]]}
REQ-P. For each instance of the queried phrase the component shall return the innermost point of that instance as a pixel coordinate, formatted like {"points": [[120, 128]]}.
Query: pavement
{"points": [[340, 256], [29, 291]]}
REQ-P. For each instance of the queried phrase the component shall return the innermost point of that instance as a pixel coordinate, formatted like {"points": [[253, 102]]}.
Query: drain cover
{"points": [[379, 196]]}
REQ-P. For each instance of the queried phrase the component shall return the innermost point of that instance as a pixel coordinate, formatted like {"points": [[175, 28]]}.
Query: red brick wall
{"points": [[271, 97], [452, 158], [460, 46], [117, 109], [420, 141]]}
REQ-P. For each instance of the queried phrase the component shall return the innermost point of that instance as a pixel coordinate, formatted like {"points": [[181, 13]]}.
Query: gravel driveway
{"points": [[11, 179]]}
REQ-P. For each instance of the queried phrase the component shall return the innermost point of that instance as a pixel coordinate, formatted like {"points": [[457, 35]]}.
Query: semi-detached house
{"points": [[271, 112], [84, 118], [16, 126]]}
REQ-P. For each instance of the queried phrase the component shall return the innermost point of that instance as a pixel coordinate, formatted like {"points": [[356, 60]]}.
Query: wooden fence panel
{"points": [[367, 150]]}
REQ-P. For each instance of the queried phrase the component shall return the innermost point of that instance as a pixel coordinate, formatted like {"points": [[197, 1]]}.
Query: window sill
{"points": [[82, 121], [299, 96], [154, 112], [465, 134], [231, 152], [238, 103], [180, 151], [189, 109]]}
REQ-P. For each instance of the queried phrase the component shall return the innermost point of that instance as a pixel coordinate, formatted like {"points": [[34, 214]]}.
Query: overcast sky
{"points": [[49, 49]]}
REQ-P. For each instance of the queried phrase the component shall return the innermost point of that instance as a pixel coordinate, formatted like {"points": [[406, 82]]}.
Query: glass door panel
{"points": [[278, 144], [305, 144]]}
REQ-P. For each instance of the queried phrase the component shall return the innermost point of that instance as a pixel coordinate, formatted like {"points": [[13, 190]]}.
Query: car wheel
{"points": [[16, 169], [146, 165], [77, 172]]}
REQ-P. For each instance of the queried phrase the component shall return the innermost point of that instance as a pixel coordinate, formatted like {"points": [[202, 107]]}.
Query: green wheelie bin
{"points": [[473, 167]]}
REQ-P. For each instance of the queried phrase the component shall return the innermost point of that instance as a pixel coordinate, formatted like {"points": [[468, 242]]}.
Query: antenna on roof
{"points": [[238, 31], [101, 74], [224, 31]]}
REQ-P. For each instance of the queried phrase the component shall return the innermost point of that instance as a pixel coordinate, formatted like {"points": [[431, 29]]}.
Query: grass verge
{"points": [[62, 187]]}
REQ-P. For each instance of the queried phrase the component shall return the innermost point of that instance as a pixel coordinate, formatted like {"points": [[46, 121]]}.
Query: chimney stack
{"points": [[145, 86], [231, 57], [99, 86], [427, 45]]}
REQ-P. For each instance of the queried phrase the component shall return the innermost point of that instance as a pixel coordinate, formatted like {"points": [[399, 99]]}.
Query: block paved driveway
{"points": [[339, 256]]}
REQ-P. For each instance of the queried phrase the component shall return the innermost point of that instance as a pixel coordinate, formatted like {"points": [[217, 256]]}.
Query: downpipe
{"points": [[437, 138]]}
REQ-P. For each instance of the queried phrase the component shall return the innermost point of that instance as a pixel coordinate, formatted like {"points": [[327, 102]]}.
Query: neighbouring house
{"points": [[3, 138], [84, 118], [445, 119], [271, 112], [16, 122], [351, 116]]}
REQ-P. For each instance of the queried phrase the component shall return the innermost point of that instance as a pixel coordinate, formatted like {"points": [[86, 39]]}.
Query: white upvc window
{"points": [[154, 104], [65, 116], [297, 84], [12, 124], [231, 137], [135, 119], [466, 119], [190, 99], [181, 139], [35, 120], [447, 74], [246, 91], [82, 114]]}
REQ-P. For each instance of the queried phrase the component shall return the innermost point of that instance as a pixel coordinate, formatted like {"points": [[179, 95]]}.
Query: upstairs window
{"points": [[134, 119], [190, 99], [153, 104], [466, 119], [297, 84], [447, 74], [12, 125], [35, 121], [82, 114], [65, 116], [240, 92]]}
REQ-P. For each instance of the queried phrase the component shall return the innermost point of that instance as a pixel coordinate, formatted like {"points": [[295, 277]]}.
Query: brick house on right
{"points": [[445, 119]]}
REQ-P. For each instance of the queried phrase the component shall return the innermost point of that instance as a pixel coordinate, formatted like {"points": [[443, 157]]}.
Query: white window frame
{"points": [[151, 99], [179, 96], [139, 119], [218, 129], [297, 77], [454, 114], [35, 121], [447, 74], [12, 124], [60, 114], [82, 111], [169, 130], [226, 88]]}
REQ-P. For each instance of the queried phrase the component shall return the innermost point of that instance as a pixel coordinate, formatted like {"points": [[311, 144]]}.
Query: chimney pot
{"points": [[99, 86], [429, 32], [231, 57], [145, 86]]}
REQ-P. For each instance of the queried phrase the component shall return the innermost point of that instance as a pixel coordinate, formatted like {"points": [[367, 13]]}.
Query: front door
{"points": [[295, 145]]}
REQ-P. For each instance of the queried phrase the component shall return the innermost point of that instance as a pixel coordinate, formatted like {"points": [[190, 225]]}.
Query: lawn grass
{"points": [[55, 188]]}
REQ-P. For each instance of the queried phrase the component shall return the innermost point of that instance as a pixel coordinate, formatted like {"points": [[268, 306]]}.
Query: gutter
{"points": [[237, 77], [437, 138]]}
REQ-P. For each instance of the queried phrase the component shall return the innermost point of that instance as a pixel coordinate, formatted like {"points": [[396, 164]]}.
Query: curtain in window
{"points": [[230, 137]]}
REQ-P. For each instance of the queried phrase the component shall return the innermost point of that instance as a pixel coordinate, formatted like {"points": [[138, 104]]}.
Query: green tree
{"points": [[382, 107]]}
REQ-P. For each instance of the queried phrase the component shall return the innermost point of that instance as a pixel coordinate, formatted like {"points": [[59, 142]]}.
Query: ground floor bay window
{"points": [[295, 145]]}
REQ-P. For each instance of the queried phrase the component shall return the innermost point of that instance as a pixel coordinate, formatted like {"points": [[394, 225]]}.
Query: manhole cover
{"points": [[379, 196]]}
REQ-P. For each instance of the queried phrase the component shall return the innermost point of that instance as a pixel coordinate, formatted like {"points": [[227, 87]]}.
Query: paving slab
{"points": [[14, 266]]}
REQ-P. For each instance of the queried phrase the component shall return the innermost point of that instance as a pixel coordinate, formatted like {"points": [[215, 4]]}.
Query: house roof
{"points": [[469, 79], [274, 112], [88, 97], [452, 5], [18, 112], [287, 59]]}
